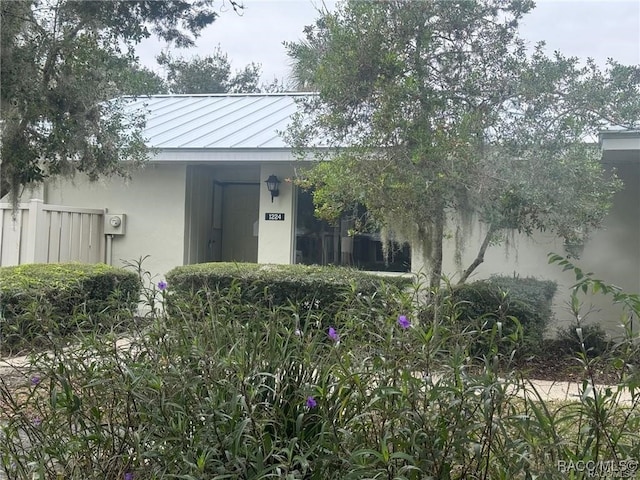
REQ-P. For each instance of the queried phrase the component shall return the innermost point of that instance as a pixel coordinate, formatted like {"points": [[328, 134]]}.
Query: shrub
{"points": [[625, 351], [512, 301], [209, 396], [592, 338], [49, 300], [306, 288]]}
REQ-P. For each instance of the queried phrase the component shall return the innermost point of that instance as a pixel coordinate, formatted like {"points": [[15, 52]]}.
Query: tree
{"points": [[212, 74], [138, 80], [209, 74], [437, 115], [62, 64]]}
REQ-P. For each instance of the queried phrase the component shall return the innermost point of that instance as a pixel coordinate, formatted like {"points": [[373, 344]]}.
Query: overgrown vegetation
{"points": [[591, 337], [41, 302], [593, 345], [234, 389]]}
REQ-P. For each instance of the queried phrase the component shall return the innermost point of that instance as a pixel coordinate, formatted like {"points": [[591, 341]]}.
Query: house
{"points": [[204, 197]]}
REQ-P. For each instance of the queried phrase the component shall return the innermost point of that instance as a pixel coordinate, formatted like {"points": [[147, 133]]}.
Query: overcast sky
{"points": [[598, 29]]}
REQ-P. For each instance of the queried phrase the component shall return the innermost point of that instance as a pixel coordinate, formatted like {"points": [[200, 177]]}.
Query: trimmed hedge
{"points": [[62, 298], [498, 298], [309, 287]]}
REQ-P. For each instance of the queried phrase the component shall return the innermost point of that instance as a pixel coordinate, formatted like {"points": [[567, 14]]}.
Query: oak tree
{"points": [[435, 114], [208, 74], [62, 64]]}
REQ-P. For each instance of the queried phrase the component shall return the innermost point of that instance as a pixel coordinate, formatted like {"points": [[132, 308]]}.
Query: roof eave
{"points": [[619, 140], [240, 155]]}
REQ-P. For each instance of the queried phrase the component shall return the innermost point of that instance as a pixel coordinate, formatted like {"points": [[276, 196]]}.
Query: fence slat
{"points": [[34, 240], [54, 237], [50, 234], [11, 232]]}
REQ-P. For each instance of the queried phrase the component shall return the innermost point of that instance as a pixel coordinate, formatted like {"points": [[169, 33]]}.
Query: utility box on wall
{"points": [[114, 223]]}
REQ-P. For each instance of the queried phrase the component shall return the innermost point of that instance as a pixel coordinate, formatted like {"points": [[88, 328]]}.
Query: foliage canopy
{"points": [[62, 62], [438, 115], [208, 74]]}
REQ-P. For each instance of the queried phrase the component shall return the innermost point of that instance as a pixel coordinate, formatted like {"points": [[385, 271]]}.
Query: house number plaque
{"points": [[274, 216]]}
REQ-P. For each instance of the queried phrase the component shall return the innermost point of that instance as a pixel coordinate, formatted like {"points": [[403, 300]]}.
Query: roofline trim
{"points": [[222, 95], [603, 134]]}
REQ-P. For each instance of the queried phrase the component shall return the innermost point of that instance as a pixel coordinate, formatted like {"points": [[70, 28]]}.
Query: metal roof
{"points": [[216, 121]]}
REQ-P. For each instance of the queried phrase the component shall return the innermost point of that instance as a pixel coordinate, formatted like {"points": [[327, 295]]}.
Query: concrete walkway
{"points": [[570, 391], [13, 363]]}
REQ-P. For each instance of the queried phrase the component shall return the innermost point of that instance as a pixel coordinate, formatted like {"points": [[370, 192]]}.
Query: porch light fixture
{"points": [[272, 185]]}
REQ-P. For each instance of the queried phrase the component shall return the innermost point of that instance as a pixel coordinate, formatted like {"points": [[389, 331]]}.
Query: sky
{"points": [[599, 29]]}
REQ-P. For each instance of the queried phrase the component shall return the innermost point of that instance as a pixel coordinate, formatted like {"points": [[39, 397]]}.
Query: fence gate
{"points": [[40, 233]]}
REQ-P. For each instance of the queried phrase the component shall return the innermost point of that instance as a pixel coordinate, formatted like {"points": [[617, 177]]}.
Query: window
{"points": [[319, 243]]}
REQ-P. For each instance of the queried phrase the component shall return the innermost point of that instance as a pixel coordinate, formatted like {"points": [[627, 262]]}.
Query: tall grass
{"points": [[248, 392]]}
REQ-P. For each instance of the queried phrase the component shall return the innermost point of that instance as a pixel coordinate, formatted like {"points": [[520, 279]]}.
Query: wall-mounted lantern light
{"points": [[272, 185]]}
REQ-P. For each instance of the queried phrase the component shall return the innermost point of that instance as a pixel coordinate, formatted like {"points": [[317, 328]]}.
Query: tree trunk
{"points": [[435, 261], [479, 258]]}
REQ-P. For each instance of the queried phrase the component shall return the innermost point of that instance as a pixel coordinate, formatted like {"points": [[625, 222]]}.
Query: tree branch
{"points": [[480, 257]]}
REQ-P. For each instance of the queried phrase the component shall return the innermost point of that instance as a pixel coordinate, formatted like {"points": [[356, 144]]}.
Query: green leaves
{"points": [[44, 303], [209, 74], [436, 110], [206, 394], [62, 63]]}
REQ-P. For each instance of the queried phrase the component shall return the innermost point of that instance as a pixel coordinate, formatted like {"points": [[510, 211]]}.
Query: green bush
{"points": [[305, 288], [591, 337], [514, 302], [49, 300]]}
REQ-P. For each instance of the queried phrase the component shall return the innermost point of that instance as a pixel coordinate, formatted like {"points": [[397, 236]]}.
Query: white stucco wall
{"points": [[277, 238], [154, 202], [612, 254]]}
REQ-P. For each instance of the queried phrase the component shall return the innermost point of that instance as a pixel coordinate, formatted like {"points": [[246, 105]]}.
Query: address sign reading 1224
{"points": [[274, 216]]}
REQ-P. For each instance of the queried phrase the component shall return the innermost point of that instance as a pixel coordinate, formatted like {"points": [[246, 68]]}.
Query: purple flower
{"points": [[333, 335], [36, 421], [311, 402], [403, 322], [35, 380], [162, 285], [129, 475]]}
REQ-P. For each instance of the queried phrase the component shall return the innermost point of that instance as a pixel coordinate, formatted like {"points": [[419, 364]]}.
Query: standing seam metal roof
{"points": [[216, 121]]}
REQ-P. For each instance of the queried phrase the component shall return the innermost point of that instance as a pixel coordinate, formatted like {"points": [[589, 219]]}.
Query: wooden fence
{"points": [[40, 233]]}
